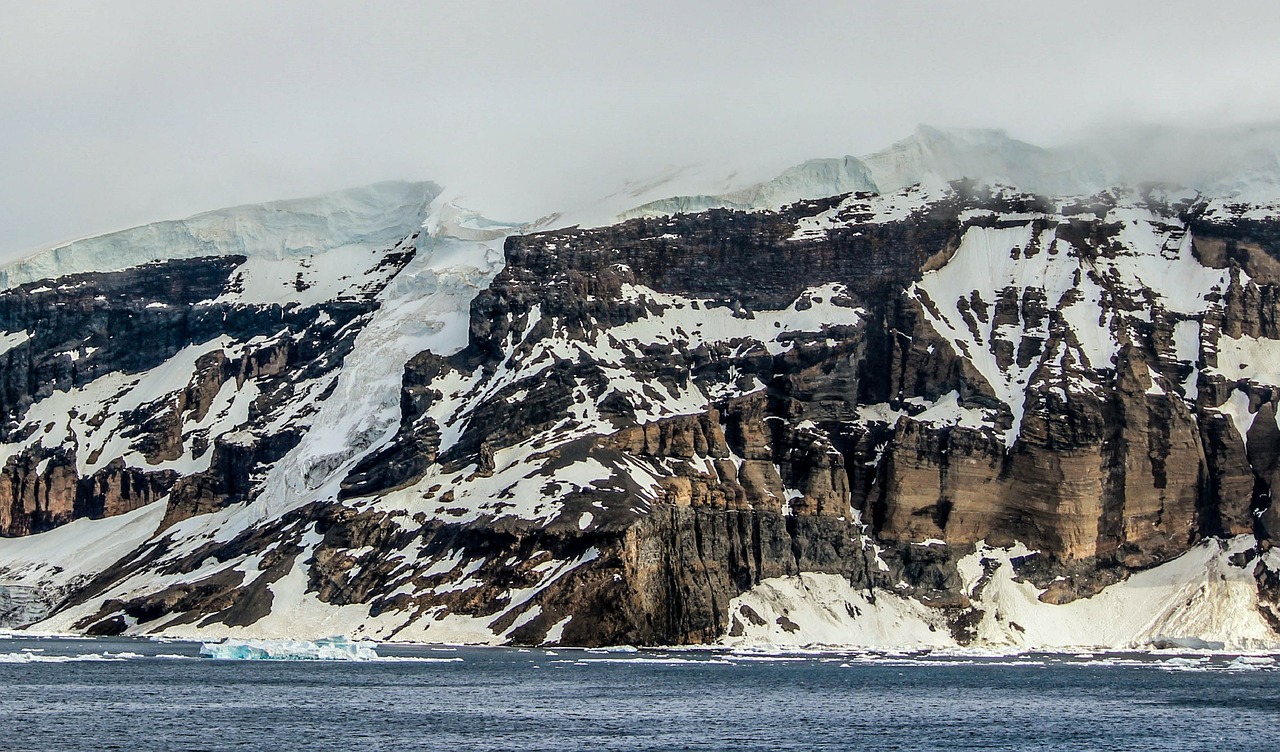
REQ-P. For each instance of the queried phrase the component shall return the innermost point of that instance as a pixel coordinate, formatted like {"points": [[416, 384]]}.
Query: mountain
{"points": [[1240, 164], [934, 157], [826, 408]]}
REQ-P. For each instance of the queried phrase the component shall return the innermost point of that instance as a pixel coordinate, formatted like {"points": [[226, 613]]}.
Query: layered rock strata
{"points": [[650, 419]]}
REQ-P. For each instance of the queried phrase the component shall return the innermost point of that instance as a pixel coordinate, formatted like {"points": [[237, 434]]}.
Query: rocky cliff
{"points": [[947, 415]]}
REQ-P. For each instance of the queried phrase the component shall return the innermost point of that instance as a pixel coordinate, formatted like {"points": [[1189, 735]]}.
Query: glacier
{"points": [[375, 215]]}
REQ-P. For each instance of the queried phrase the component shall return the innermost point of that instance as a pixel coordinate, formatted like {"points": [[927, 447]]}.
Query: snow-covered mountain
{"points": [[812, 179], [1237, 164], [963, 391], [934, 157], [276, 233]]}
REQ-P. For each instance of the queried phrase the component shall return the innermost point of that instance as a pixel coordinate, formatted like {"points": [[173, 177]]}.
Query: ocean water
{"points": [[135, 695]]}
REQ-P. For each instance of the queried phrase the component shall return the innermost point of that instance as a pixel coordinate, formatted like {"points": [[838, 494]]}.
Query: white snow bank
{"points": [[1249, 357], [10, 340], [1199, 600], [824, 609], [425, 307], [78, 549]]}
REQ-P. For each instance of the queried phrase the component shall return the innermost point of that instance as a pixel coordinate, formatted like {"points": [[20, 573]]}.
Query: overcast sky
{"points": [[115, 114]]}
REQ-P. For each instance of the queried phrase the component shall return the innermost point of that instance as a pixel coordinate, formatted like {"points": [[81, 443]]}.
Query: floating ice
{"points": [[29, 655], [1252, 662], [337, 648]]}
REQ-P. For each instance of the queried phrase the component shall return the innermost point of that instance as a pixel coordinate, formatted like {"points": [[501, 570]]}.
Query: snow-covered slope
{"points": [[273, 235], [1199, 601], [672, 180]]}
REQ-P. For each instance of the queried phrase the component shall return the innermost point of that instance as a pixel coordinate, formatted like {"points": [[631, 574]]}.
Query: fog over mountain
{"points": [[122, 114]]}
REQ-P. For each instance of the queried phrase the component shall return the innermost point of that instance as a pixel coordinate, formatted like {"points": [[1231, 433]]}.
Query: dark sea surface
{"points": [[119, 694]]}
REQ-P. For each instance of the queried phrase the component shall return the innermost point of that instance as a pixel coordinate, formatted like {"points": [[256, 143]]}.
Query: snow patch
{"points": [[824, 609], [1253, 358], [10, 340]]}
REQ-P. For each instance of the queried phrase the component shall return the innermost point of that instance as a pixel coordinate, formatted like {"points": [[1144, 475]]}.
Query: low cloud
{"points": [[123, 113]]}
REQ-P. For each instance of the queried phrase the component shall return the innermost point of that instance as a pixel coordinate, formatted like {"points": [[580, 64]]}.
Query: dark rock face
{"points": [[1121, 472], [39, 501], [76, 330], [87, 325]]}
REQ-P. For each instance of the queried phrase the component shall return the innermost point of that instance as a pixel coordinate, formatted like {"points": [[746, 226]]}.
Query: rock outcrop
{"points": [[123, 388]]}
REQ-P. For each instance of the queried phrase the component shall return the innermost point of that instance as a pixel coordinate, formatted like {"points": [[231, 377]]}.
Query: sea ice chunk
{"points": [[337, 648]]}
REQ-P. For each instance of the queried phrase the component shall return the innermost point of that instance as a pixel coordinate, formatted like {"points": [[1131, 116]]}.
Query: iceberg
{"points": [[337, 648]]}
